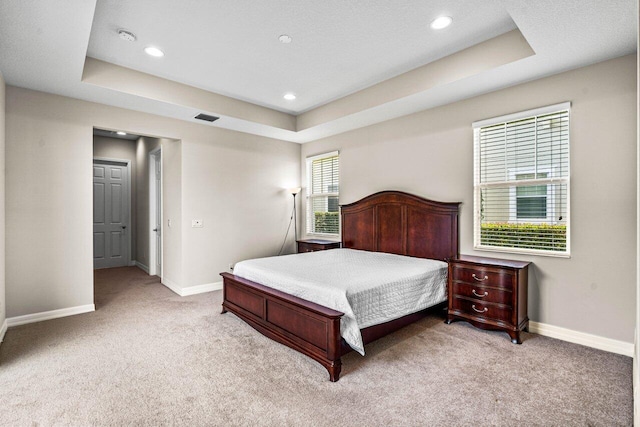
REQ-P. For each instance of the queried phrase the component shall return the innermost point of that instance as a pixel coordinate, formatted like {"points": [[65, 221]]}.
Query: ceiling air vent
{"points": [[206, 117]]}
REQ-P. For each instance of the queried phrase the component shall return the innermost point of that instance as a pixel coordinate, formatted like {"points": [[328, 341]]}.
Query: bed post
{"points": [[305, 326], [335, 350], [224, 298]]}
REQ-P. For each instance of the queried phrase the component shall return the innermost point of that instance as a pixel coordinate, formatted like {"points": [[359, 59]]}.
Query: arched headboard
{"points": [[401, 223]]}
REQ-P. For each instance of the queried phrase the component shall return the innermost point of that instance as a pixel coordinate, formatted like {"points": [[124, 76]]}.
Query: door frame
{"points": [[153, 213], [129, 235]]}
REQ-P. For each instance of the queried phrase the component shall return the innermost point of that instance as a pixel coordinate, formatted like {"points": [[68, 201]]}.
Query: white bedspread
{"points": [[368, 287]]}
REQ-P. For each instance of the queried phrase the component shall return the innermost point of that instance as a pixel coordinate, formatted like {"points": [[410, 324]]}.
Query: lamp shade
{"points": [[295, 190]]}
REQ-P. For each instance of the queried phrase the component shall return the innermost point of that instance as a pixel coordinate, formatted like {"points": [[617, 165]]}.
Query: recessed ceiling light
{"points": [[154, 51], [127, 35], [121, 133], [441, 22], [289, 96], [285, 38]]}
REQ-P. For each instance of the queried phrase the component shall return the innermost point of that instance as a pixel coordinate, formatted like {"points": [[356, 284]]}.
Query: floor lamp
{"points": [[294, 192]]}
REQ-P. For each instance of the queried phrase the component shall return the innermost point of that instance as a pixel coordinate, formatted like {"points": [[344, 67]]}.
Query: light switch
{"points": [[196, 223]]}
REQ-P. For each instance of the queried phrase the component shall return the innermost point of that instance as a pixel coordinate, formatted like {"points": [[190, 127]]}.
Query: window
{"points": [[521, 182], [323, 211], [531, 201]]}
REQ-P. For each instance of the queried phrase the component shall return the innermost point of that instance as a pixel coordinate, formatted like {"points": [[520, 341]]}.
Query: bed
{"points": [[389, 222]]}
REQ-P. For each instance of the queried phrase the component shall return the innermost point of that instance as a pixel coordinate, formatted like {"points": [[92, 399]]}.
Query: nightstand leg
{"points": [[515, 337]]}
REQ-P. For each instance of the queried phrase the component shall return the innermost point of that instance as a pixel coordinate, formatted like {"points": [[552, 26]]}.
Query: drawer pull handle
{"points": [[484, 310], [478, 278], [478, 295]]}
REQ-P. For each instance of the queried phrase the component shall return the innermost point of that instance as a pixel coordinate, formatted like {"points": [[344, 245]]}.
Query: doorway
{"points": [[142, 235], [111, 213], [155, 212]]}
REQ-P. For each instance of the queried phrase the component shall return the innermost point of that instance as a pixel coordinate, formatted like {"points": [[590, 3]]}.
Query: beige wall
{"points": [[49, 199], [431, 154], [2, 203], [144, 145], [122, 149], [239, 188], [232, 181], [172, 219]]}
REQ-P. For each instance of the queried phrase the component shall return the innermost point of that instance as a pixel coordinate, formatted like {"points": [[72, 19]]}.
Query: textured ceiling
{"points": [[339, 48]]}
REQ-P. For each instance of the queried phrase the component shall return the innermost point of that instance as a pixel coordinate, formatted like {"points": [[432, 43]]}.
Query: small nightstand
{"points": [[312, 245], [489, 293]]}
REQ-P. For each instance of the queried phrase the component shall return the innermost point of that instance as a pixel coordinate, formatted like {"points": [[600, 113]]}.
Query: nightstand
{"points": [[312, 245], [489, 293]]}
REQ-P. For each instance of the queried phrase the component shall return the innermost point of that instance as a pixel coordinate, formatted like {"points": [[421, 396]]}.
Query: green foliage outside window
{"points": [[526, 236], [327, 222]]}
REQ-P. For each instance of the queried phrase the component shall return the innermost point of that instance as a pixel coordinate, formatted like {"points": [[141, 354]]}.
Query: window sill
{"points": [[518, 251], [332, 237]]}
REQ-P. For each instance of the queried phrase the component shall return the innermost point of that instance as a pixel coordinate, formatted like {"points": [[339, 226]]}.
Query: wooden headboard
{"points": [[401, 223]]}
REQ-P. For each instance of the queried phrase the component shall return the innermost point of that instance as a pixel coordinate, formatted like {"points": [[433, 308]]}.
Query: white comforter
{"points": [[368, 287]]}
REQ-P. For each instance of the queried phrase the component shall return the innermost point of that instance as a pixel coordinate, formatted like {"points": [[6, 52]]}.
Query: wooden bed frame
{"points": [[389, 221]]}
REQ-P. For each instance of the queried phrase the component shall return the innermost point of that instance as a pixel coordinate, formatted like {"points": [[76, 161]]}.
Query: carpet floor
{"points": [[149, 357]]}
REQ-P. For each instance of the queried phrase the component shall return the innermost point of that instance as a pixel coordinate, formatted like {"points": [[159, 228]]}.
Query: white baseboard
{"points": [[191, 290], [142, 267], [594, 341], [132, 263], [172, 285], [48, 315], [3, 330], [200, 289]]}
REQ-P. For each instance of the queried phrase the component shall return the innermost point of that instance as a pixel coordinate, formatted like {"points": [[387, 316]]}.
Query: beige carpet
{"points": [[150, 357]]}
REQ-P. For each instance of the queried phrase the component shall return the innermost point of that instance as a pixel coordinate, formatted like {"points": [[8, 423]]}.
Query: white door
{"points": [[111, 229], [155, 213], [158, 225]]}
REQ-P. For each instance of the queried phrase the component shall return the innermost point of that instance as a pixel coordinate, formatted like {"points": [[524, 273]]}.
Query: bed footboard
{"points": [[304, 326]]}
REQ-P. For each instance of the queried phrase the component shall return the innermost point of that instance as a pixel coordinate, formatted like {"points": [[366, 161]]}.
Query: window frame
{"points": [[551, 179], [310, 196]]}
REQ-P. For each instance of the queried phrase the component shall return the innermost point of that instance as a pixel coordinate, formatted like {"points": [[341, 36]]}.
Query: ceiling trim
{"points": [[357, 110], [493, 53], [121, 79]]}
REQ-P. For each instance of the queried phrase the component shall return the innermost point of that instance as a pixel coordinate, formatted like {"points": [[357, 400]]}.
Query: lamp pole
{"points": [[294, 216], [294, 192], [295, 219]]}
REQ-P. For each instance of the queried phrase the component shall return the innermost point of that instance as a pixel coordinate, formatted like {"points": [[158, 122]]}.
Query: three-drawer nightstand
{"points": [[312, 245], [489, 293]]}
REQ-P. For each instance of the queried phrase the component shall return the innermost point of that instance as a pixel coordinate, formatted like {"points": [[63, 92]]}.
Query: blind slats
{"points": [[522, 183], [322, 202]]}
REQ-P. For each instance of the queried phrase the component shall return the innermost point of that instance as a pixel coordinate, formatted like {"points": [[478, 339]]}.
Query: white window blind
{"points": [[521, 185], [323, 210]]}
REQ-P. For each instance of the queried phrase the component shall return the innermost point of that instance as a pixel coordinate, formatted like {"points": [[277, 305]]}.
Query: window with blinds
{"points": [[323, 210], [521, 184]]}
